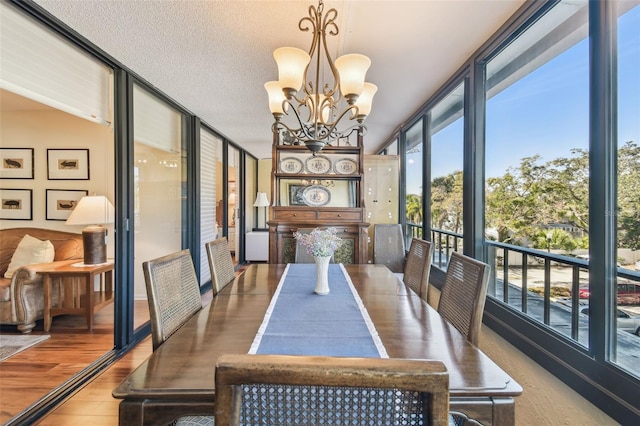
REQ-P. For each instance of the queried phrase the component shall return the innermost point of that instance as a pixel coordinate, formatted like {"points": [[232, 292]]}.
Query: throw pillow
{"points": [[30, 250]]}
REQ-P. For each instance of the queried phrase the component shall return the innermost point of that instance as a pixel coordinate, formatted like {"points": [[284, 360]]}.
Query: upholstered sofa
{"points": [[21, 296]]}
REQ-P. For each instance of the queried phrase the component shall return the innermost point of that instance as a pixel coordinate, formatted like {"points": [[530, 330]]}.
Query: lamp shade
{"points": [[276, 97], [366, 99], [92, 210], [291, 65], [352, 69], [261, 200]]}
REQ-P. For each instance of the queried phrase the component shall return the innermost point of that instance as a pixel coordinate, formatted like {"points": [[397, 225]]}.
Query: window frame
{"points": [[588, 371]]}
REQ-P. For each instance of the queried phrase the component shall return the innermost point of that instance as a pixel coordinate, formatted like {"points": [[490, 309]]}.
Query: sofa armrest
{"points": [[24, 274], [29, 275], [27, 297]]}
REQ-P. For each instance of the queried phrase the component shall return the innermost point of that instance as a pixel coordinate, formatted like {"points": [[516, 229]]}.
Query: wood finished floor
{"points": [[31, 374], [93, 404]]}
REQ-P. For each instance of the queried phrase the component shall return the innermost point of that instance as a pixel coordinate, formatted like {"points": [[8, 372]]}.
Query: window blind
{"points": [[155, 123], [209, 145], [40, 65]]}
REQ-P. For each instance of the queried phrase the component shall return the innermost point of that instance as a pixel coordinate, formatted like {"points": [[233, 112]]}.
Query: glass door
{"points": [[159, 180]]}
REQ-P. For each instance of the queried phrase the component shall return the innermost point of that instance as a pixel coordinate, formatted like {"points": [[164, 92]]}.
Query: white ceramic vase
{"points": [[322, 274]]}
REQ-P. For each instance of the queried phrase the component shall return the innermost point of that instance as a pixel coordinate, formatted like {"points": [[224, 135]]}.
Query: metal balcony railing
{"points": [[444, 242], [544, 286]]}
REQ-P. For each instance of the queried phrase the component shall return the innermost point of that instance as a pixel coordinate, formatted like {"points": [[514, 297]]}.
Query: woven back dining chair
{"points": [[220, 263], [463, 295], [418, 267], [317, 390], [173, 293], [388, 246]]}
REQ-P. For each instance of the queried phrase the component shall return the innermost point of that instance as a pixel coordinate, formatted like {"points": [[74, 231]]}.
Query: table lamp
{"points": [[94, 210], [262, 201]]}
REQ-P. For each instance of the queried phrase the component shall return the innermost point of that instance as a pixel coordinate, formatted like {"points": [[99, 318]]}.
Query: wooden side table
{"points": [[75, 291]]}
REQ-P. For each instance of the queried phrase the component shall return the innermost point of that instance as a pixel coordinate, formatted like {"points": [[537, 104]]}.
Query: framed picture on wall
{"points": [[60, 202], [68, 164], [17, 204], [16, 163], [296, 195]]}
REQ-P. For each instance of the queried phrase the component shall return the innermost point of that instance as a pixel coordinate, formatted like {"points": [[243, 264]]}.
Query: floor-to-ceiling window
{"points": [[627, 216], [413, 155], [159, 174], [57, 145], [537, 162], [559, 246], [446, 135]]}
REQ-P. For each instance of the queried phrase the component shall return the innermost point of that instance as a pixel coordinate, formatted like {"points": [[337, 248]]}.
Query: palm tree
{"points": [[414, 208]]}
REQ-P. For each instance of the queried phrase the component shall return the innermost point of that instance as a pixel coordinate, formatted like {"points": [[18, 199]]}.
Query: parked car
{"points": [[628, 293], [627, 321]]}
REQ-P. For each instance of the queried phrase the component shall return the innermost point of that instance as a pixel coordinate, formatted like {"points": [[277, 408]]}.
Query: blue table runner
{"points": [[300, 322]]}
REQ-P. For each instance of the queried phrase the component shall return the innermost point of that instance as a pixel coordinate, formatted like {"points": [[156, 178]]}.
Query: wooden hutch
{"points": [[325, 190]]}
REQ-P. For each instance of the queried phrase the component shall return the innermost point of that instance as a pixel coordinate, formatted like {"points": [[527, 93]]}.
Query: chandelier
{"points": [[319, 104]]}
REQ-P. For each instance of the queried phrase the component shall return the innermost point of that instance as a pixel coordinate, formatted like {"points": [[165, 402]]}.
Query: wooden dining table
{"points": [[178, 378]]}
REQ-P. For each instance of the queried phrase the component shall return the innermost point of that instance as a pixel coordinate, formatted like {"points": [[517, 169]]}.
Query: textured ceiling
{"points": [[213, 57]]}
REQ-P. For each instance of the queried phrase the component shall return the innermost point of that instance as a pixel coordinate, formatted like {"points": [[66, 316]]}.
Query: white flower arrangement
{"points": [[319, 242]]}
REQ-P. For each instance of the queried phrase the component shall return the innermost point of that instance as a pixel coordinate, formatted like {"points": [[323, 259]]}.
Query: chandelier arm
{"points": [[318, 37], [306, 102], [309, 104], [306, 24], [300, 103], [333, 124], [305, 21], [298, 135], [302, 128], [325, 131], [329, 27], [327, 103], [299, 100], [334, 72], [329, 22]]}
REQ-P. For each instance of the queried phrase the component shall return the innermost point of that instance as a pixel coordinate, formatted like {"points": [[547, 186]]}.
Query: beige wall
{"points": [[41, 130], [264, 176]]}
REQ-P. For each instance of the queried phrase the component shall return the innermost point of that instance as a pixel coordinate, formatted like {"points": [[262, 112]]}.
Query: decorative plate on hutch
{"points": [[316, 196], [291, 165], [345, 166], [318, 165]]}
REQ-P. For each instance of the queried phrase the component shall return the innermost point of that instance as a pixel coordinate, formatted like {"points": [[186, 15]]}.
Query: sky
{"points": [[546, 112]]}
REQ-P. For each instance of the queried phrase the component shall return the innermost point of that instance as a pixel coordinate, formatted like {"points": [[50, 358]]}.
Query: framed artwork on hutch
{"points": [[296, 197]]}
